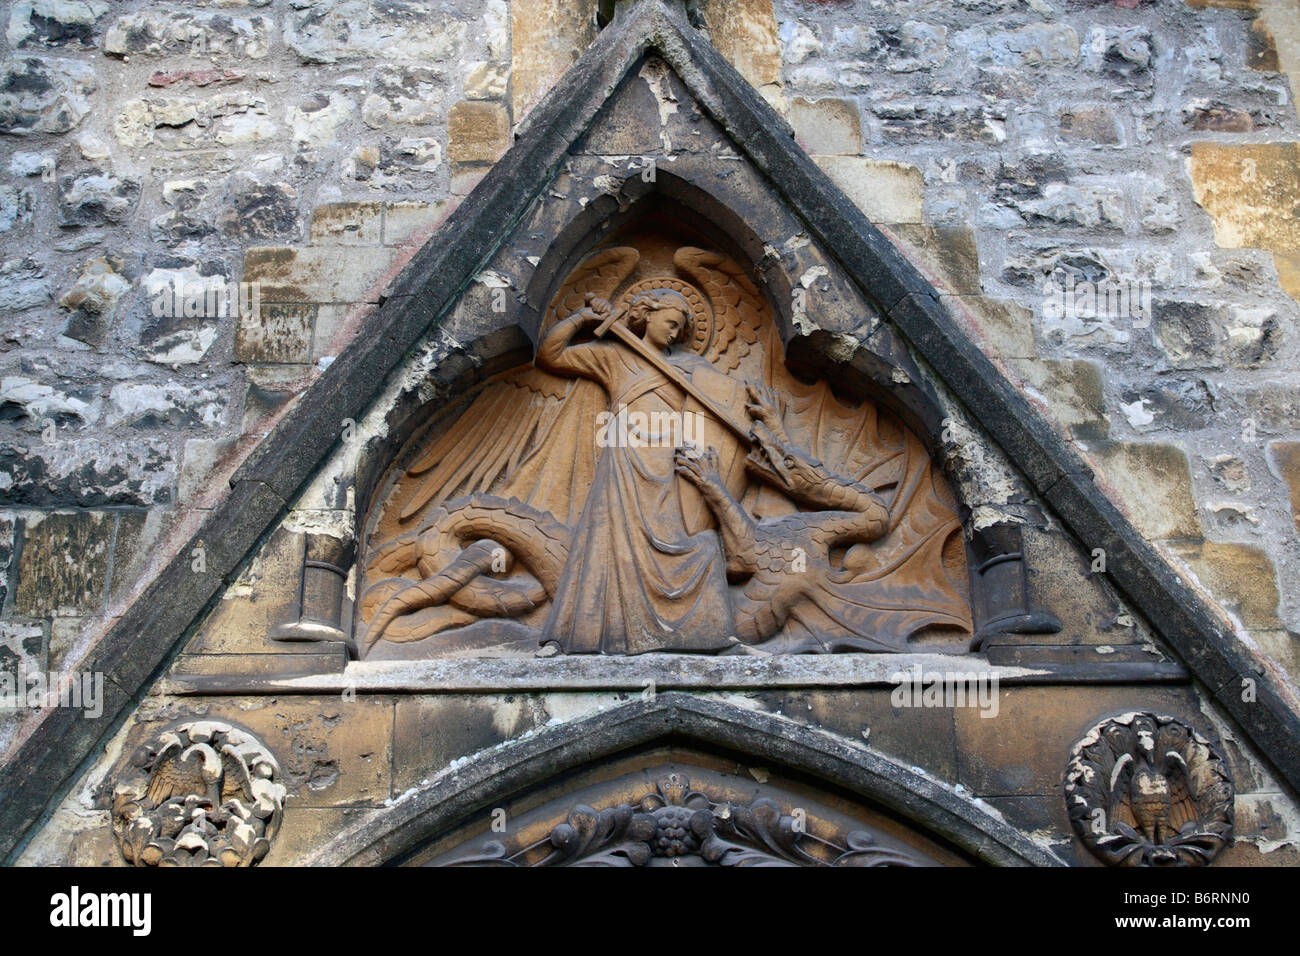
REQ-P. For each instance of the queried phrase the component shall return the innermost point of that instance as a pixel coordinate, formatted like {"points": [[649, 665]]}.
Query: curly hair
{"points": [[648, 302]]}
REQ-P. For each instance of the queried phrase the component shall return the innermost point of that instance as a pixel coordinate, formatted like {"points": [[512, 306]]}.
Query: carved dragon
{"points": [[467, 550], [787, 559]]}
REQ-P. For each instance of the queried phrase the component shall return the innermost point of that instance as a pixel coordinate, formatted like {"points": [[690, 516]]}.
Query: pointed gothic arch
{"points": [[393, 833]]}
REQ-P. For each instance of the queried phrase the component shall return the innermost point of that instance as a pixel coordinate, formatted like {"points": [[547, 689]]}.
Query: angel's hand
{"points": [[596, 309]]}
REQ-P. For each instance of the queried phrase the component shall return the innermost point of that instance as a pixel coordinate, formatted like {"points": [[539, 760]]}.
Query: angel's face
{"points": [[662, 327]]}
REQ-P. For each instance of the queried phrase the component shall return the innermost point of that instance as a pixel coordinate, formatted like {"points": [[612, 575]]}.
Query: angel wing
{"points": [[738, 307], [505, 441]]}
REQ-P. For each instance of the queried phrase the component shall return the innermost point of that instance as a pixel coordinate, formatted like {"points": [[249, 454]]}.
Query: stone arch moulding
{"points": [[135, 650], [388, 835]]}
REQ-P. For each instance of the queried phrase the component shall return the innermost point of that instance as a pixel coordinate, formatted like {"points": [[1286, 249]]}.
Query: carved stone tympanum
{"points": [[203, 794], [1147, 790], [658, 480], [674, 824]]}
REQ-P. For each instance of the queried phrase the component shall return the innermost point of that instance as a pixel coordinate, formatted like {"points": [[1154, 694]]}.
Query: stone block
{"points": [[347, 224], [477, 132], [1240, 577], [1284, 458], [278, 332], [44, 94], [886, 191], [827, 127], [1071, 390], [1152, 483], [1251, 192], [411, 219], [546, 38], [948, 253], [324, 274], [64, 562]]}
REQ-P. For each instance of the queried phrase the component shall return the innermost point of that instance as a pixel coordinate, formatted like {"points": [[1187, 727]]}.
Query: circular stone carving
{"points": [[1148, 790], [701, 314], [204, 794]]}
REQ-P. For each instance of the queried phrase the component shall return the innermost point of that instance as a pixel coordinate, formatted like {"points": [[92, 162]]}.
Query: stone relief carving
{"points": [[675, 824], [1148, 790], [659, 481], [203, 794]]}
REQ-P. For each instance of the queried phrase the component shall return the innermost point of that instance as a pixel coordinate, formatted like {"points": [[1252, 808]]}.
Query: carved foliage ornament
{"points": [[1147, 790], [204, 794], [676, 824]]}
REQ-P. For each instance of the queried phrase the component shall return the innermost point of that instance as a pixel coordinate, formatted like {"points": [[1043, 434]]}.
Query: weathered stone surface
{"points": [[64, 562], [1203, 335], [1251, 191], [1285, 460], [88, 473], [231, 118], [827, 127], [347, 224], [487, 81], [94, 199], [44, 95], [1035, 45], [70, 23], [1177, 404], [886, 191], [1092, 124], [477, 132], [404, 221], [23, 284], [169, 405], [93, 300], [314, 121], [1230, 471], [407, 95], [910, 47], [168, 33], [745, 32], [255, 210], [1288, 272], [1153, 484], [7, 527], [546, 37], [325, 274], [354, 29], [1006, 327], [946, 252], [15, 207], [431, 732], [1071, 390], [280, 332], [1240, 577], [23, 647]]}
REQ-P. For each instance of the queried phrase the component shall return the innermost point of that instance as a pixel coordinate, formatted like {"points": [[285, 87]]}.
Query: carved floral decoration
{"points": [[1148, 790], [204, 794], [675, 822]]}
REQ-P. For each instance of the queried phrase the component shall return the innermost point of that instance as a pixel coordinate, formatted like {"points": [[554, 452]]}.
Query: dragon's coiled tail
{"points": [[461, 543]]}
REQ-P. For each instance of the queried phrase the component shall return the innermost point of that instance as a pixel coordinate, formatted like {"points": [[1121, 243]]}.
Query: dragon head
{"points": [[777, 460]]}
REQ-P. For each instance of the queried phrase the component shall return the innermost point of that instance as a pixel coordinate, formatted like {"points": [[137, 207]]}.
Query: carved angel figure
{"points": [[523, 523]]}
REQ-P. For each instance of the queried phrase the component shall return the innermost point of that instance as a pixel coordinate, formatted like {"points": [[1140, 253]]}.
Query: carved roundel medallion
{"points": [[204, 793], [701, 314], [1147, 790]]}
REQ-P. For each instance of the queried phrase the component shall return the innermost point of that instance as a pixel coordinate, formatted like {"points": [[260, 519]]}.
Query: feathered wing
{"points": [[530, 434], [738, 308]]}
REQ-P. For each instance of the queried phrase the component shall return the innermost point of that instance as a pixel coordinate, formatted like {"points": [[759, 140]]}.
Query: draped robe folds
{"points": [[637, 580]]}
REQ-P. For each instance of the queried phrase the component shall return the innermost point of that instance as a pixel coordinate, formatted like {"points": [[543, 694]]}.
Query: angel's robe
{"points": [[637, 580]]}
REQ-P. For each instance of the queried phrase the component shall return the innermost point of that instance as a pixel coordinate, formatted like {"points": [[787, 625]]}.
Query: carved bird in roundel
{"points": [[180, 772]]}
